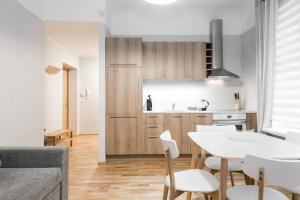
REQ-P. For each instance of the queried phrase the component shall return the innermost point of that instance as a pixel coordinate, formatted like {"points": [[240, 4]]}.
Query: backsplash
{"points": [[220, 94]]}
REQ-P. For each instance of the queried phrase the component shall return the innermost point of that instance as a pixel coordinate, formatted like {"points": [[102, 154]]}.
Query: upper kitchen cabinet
{"points": [[153, 60], [174, 61], [195, 60], [123, 91], [123, 51]]}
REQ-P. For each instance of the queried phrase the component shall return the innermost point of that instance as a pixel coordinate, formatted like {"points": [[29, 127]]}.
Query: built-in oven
{"points": [[224, 119]]}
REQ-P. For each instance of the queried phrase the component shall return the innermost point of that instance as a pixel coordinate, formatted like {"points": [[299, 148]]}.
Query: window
{"points": [[286, 100]]}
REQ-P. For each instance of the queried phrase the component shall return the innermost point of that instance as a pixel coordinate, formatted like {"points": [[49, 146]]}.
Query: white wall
{"points": [[57, 55], [21, 76], [249, 69], [102, 89], [89, 107], [220, 94]]}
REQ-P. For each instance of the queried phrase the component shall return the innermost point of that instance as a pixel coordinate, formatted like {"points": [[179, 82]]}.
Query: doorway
{"points": [[70, 101]]}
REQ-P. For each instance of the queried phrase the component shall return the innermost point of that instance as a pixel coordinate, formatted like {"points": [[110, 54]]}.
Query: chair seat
{"points": [[214, 163], [295, 190], [194, 180], [250, 192]]}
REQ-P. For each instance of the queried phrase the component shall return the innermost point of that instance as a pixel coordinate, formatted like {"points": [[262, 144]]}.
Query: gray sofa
{"points": [[39, 173]]}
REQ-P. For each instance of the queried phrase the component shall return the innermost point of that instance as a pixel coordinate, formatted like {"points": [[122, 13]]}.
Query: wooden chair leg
{"points": [[165, 195], [206, 197], [293, 196], [188, 196], [215, 195], [231, 178]]}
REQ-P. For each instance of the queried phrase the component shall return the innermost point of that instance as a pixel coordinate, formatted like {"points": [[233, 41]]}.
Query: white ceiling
{"points": [[82, 38]]}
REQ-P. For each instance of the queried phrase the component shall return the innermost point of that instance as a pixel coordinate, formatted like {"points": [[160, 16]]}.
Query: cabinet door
{"points": [[153, 60], [179, 126], [122, 135], [195, 61], [174, 61], [123, 51], [151, 140], [251, 123], [123, 90]]}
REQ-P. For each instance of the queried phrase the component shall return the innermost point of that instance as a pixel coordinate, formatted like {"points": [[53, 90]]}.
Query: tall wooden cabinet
{"points": [[123, 96]]}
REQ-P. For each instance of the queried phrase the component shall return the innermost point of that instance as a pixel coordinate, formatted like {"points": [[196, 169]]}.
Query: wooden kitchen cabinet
{"points": [[123, 135], [123, 51], [251, 121], [201, 119], [151, 138], [195, 60], [174, 61], [178, 124], [153, 60], [123, 91]]}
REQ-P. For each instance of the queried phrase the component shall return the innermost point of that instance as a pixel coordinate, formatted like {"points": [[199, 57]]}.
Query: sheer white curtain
{"points": [[266, 20]]}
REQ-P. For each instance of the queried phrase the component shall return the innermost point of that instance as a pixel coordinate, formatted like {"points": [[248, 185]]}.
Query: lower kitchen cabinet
{"points": [[151, 138], [251, 121], [178, 124], [123, 135]]}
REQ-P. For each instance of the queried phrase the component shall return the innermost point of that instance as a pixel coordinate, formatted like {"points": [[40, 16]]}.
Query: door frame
{"points": [[72, 83]]}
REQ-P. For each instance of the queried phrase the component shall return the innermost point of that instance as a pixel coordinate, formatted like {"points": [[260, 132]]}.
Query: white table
{"points": [[237, 146]]}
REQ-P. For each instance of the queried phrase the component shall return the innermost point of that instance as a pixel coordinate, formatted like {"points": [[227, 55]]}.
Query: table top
{"points": [[238, 144]]}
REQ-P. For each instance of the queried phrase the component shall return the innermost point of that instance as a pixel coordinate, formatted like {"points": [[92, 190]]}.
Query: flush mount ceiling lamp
{"points": [[161, 2]]}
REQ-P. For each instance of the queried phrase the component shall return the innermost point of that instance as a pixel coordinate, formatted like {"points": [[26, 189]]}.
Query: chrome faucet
{"points": [[173, 106]]}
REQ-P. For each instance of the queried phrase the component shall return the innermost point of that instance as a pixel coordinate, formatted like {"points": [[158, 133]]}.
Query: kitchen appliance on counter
{"points": [[149, 103], [204, 105], [224, 119]]}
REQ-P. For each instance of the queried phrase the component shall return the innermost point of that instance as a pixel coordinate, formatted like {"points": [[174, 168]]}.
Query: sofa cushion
{"points": [[28, 183]]}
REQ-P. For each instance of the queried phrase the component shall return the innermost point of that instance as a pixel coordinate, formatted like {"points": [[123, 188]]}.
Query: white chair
{"points": [[280, 173], [193, 180], [213, 162], [293, 137]]}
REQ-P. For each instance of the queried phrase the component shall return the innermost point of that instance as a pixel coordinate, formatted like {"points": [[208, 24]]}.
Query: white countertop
{"points": [[189, 111]]}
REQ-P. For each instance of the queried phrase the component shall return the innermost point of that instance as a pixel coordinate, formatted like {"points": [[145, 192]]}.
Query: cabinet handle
{"points": [[201, 116], [121, 117], [153, 116], [153, 127], [177, 116], [152, 136]]}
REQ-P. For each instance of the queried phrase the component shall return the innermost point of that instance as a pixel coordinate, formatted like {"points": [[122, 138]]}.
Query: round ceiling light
{"points": [[161, 2]]}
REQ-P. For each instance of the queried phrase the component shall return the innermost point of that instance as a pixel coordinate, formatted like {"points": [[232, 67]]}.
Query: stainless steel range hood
{"points": [[216, 38]]}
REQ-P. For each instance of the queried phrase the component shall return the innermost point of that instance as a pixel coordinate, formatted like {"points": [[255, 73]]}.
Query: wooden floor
{"points": [[133, 179]]}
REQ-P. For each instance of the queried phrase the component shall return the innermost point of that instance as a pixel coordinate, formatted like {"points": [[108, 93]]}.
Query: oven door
{"points": [[239, 124]]}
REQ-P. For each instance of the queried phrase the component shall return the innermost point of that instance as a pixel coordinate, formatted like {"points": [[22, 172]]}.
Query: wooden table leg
{"points": [[53, 139], [195, 156], [223, 179]]}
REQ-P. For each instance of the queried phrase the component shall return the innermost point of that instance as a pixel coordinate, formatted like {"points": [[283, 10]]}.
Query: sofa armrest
{"points": [[38, 157]]}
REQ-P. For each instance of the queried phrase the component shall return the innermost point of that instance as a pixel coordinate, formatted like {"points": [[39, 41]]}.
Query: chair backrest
{"points": [[169, 144], [293, 137], [282, 173], [211, 128]]}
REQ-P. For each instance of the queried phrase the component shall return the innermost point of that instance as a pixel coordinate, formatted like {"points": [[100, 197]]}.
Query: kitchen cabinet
{"points": [[195, 60], [123, 51], [174, 61], [153, 60], [251, 121], [201, 119], [123, 91], [123, 135], [178, 124], [151, 138]]}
